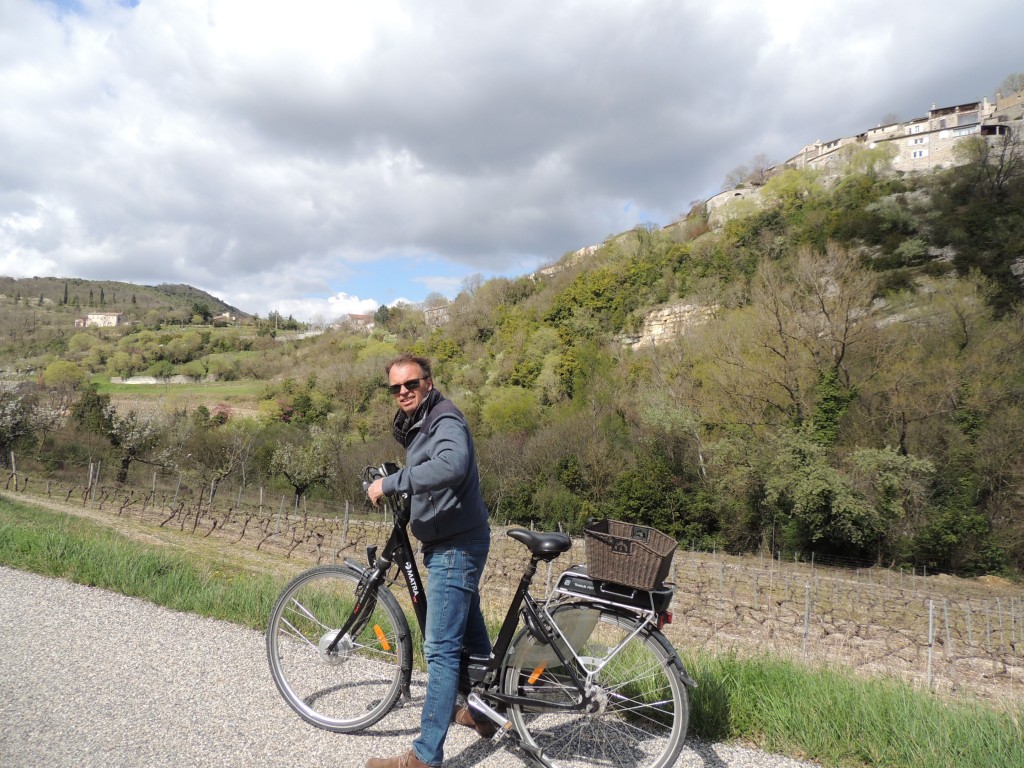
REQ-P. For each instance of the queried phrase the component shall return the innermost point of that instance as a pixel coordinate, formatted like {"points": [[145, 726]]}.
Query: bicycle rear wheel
{"points": [[639, 710], [355, 686]]}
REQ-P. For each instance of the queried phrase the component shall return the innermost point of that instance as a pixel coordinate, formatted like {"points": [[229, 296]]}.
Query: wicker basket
{"points": [[634, 555]]}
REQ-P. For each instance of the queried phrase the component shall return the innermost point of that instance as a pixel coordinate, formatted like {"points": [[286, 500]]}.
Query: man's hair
{"points": [[405, 359]]}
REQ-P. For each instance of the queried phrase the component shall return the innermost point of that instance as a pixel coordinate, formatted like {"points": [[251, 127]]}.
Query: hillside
{"points": [[848, 383], [37, 314]]}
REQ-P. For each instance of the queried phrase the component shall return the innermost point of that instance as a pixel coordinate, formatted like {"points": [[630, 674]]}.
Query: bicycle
{"points": [[584, 676]]}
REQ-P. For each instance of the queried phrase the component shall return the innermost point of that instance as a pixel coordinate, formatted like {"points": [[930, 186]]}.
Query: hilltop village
{"points": [[922, 144]]}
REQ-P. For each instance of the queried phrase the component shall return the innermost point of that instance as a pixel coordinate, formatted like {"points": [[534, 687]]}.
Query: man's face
{"points": [[403, 373]]}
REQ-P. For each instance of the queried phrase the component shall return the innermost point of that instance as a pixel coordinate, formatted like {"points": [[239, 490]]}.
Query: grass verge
{"points": [[839, 719], [77, 549], [829, 716]]}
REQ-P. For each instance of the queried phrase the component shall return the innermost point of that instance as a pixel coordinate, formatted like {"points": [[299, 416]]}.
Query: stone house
{"points": [[99, 320], [923, 143], [435, 317]]}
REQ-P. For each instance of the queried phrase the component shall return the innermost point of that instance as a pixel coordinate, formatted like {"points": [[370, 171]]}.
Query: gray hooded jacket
{"points": [[442, 481]]}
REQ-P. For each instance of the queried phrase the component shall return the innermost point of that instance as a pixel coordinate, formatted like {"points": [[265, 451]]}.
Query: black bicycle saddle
{"points": [[544, 545]]}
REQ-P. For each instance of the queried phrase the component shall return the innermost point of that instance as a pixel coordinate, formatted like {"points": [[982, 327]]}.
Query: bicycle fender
{"points": [[361, 569], [684, 676]]}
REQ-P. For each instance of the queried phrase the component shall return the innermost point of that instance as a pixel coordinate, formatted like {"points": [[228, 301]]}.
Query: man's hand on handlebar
{"points": [[375, 490]]}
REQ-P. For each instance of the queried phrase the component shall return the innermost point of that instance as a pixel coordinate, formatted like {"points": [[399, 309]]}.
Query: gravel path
{"points": [[93, 678]]}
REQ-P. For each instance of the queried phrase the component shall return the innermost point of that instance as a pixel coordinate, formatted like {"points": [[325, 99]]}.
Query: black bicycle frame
{"points": [[399, 549], [537, 624]]}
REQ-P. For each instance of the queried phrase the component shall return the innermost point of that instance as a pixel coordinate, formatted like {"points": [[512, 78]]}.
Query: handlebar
{"points": [[401, 504]]}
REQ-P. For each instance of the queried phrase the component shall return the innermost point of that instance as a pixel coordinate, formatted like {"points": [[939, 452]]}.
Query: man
{"points": [[449, 518]]}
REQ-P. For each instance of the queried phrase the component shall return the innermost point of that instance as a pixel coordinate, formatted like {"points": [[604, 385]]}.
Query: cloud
{"points": [[272, 154]]}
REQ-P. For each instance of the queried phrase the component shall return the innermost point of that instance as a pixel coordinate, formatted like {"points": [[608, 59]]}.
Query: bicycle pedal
{"points": [[476, 704]]}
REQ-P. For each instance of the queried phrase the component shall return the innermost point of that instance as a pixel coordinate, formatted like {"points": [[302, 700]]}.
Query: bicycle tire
{"points": [[641, 712], [361, 682]]}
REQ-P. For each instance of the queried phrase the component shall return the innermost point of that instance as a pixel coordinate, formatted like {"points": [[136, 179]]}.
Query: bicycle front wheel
{"points": [[354, 686], [637, 710]]}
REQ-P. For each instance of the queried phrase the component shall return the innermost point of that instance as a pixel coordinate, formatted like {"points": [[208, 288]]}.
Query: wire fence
{"points": [[936, 632]]}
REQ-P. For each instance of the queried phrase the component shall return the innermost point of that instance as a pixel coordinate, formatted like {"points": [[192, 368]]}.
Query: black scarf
{"points": [[403, 424]]}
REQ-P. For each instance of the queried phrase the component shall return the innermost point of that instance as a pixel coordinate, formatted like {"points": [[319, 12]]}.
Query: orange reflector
{"points": [[536, 673], [380, 636]]}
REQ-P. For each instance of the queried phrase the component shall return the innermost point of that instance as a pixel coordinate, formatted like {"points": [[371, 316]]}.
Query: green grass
{"points": [[842, 720], [76, 549], [830, 716], [250, 388]]}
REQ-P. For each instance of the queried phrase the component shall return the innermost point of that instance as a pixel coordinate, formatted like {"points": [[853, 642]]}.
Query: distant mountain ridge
{"points": [[39, 314], [110, 295]]}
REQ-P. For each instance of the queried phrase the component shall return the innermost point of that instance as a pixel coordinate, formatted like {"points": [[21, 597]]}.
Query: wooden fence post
{"points": [[807, 615], [931, 639]]}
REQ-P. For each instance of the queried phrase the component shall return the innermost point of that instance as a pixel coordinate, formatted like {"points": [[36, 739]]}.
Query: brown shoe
{"points": [[462, 716], [408, 760]]}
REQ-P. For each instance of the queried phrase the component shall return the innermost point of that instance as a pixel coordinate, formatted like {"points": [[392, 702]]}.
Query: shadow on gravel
{"points": [[376, 733], [474, 754], [706, 752]]}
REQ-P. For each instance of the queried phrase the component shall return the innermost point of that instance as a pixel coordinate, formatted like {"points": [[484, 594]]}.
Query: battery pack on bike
{"points": [[576, 581]]}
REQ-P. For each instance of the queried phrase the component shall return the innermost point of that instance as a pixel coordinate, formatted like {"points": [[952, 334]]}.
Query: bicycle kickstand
{"points": [[505, 729]]}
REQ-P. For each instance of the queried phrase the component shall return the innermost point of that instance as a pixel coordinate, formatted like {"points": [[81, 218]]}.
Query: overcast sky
{"points": [[323, 157]]}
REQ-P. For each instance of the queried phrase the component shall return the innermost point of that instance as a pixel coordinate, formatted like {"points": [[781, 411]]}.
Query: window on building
{"points": [[919, 153]]}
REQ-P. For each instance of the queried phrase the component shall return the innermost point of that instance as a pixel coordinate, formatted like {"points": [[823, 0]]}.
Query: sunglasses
{"points": [[412, 385]]}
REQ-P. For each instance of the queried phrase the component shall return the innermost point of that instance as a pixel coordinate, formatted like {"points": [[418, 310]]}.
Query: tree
{"points": [[200, 309], [823, 508], [62, 381], [994, 161], [214, 452], [15, 418], [760, 166], [756, 173], [62, 374], [770, 361], [511, 410], [736, 178], [132, 434], [307, 463], [435, 300], [501, 468], [1012, 84], [91, 412]]}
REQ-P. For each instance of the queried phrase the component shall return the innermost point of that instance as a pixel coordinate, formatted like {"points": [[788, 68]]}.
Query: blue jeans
{"points": [[454, 620]]}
